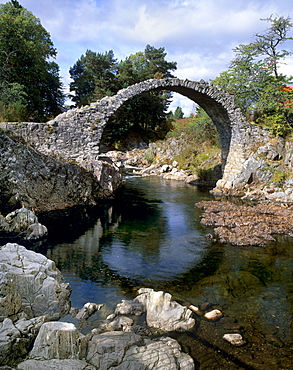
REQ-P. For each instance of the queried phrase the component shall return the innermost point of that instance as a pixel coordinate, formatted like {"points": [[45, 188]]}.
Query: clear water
{"points": [[151, 236]]}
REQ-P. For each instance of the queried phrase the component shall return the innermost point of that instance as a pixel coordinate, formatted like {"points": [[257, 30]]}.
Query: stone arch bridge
{"points": [[76, 134]]}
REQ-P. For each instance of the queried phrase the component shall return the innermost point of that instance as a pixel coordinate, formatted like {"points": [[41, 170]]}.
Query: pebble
{"points": [[235, 339], [213, 315]]}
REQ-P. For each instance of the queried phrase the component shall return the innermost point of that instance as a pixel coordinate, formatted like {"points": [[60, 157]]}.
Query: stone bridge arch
{"points": [[218, 104], [76, 134]]}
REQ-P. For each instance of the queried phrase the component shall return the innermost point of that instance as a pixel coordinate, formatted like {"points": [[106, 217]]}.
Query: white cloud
{"points": [[198, 34]]}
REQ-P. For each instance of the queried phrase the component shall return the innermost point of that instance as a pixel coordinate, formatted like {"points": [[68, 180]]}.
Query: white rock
{"points": [[235, 339], [59, 340], [88, 310], [164, 313], [213, 315], [165, 168], [33, 279]]}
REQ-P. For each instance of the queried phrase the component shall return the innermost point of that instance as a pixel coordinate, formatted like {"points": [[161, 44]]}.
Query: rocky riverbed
{"points": [[244, 224]]}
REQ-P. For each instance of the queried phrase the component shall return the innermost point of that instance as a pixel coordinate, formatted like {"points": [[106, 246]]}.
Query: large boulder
{"points": [[164, 313], [60, 346], [39, 182], [31, 285], [59, 340], [16, 338], [164, 354]]}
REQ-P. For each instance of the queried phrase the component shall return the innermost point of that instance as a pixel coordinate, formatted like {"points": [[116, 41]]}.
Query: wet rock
{"points": [[205, 306], [235, 339], [164, 313], [31, 284], [274, 340], [213, 315]]}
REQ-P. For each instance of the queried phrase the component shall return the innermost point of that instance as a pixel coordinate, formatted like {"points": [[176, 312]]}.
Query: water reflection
{"points": [[148, 234], [151, 236]]}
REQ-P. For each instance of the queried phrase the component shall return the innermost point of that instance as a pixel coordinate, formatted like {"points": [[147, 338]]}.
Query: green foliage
{"points": [[279, 176], [149, 156], [25, 50], [94, 76], [202, 149], [199, 128], [254, 80], [12, 102], [275, 108]]}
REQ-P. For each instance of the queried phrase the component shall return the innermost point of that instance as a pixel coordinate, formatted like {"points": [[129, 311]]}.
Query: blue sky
{"points": [[198, 34]]}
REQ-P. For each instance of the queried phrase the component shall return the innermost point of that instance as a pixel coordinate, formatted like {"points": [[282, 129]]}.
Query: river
{"points": [[151, 236]]}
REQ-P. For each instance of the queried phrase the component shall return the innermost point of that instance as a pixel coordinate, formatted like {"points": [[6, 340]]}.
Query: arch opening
{"points": [[216, 103]]}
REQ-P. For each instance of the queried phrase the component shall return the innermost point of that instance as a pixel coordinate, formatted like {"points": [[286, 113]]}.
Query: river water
{"points": [[151, 236]]}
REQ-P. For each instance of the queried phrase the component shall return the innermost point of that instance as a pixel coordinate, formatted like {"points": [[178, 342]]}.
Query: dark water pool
{"points": [[151, 236]]}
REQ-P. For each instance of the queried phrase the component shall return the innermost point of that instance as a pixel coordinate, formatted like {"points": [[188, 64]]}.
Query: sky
{"points": [[199, 35]]}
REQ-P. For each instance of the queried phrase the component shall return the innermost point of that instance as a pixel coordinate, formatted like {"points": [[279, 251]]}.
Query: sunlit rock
{"points": [[213, 315], [129, 308], [59, 340], [164, 313], [24, 223], [88, 310], [31, 284]]}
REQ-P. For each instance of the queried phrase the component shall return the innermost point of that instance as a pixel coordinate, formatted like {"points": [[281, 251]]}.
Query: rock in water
{"points": [[164, 313]]}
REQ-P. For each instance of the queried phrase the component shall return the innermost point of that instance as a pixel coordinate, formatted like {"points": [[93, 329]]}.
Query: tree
{"points": [[147, 112], [253, 76], [178, 113], [94, 76], [26, 53]]}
